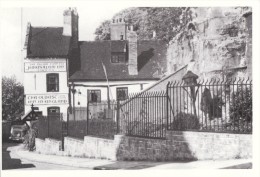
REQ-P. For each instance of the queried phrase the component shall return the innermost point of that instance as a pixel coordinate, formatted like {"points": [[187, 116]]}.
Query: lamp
{"points": [[190, 78]]}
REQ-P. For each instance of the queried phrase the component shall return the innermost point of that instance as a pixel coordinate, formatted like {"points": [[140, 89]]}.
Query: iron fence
{"points": [[144, 115], [210, 105], [97, 119]]}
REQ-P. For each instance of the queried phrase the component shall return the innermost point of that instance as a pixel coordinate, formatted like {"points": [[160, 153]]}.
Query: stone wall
{"points": [[74, 147], [177, 145], [99, 148], [186, 146], [48, 146], [90, 147]]}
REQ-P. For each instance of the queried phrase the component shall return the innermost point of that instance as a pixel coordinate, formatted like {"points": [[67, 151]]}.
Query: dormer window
{"points": [[118, 57]]}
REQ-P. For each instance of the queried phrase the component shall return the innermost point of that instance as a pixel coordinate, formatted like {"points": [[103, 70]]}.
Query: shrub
{"points": [[241, 108], [29, 138], [184, 121]]}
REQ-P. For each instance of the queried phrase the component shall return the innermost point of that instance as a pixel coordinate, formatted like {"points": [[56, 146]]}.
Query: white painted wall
{"points": [[35, 83], [133, 87]]}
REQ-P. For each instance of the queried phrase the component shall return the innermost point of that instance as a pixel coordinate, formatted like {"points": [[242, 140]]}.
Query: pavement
{"points": [[98, 164]]}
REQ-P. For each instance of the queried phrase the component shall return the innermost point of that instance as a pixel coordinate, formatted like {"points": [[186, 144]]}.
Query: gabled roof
{"points": [[151, 61], [46, 42]]}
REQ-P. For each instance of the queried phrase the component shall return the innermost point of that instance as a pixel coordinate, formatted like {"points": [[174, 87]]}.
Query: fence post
{"points": [[87, 117], [68, 122], [62, 132], [117, 117], [48, 126], [167, 105]]}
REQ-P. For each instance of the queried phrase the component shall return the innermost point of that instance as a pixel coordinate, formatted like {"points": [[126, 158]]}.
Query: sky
{"points": [[13, 29]]}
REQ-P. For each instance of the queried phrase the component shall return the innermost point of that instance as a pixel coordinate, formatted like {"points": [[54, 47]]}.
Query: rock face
{"points": [[216, 40]]}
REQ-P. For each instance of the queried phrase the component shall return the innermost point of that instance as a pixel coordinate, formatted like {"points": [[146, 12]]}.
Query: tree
{"points": [[165, 21], [12, 98], [103, 31]]}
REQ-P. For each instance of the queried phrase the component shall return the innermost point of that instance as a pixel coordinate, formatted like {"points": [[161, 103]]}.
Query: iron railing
{"points": [[97, 119], [144, 115], [210, 105]]}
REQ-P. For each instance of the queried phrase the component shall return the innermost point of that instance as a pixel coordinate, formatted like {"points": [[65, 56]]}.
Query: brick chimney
{"points": [[132, 52], [26, 43], [70, 25]]}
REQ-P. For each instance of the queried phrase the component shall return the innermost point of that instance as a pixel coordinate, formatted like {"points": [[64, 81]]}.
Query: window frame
{"points": [[48, 76], [121, 57], [98, 96], [126, 94], [53, 107]]}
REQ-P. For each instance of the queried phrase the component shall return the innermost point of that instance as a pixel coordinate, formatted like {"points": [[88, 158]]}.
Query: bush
{"points": [[29, 138], [184, 121], [12, 98], [105, 128], [241, 108]]}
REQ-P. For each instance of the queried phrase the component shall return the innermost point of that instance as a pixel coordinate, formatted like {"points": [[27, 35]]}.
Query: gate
{"points": [[97, 119], [52, 126], [144, 115]]}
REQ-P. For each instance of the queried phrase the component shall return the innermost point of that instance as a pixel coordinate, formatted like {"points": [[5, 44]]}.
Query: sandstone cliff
{"points": [[218, 41]]}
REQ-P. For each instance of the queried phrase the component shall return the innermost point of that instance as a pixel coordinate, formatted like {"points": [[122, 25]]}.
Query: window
{"points": [[53, 111], [118, 57], [94, 96], [52, 82], [122, 93], [114, 59]]}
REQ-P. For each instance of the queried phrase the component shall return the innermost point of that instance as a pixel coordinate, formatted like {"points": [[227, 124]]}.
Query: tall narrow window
{"points": [[53, 82], [94, 96], [122, 93]]}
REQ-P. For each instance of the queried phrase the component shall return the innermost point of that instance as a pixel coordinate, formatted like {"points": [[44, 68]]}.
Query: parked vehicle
{"points": [[6, 129], [18, 132]]}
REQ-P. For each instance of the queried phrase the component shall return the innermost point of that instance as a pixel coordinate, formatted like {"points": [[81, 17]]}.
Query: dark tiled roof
{"points": [[118, 46], [47, 42], [151, 61]]}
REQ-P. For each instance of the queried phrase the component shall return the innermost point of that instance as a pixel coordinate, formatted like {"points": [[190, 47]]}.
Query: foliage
{"points": [[12, 98], [211, 106], [165, 21], [241, 107], [105, 128], [184, 121], [103, 31], [29, 138]]}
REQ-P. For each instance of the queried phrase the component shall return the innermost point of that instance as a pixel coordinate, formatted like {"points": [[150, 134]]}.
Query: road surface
{"points": [[11, 161]]}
